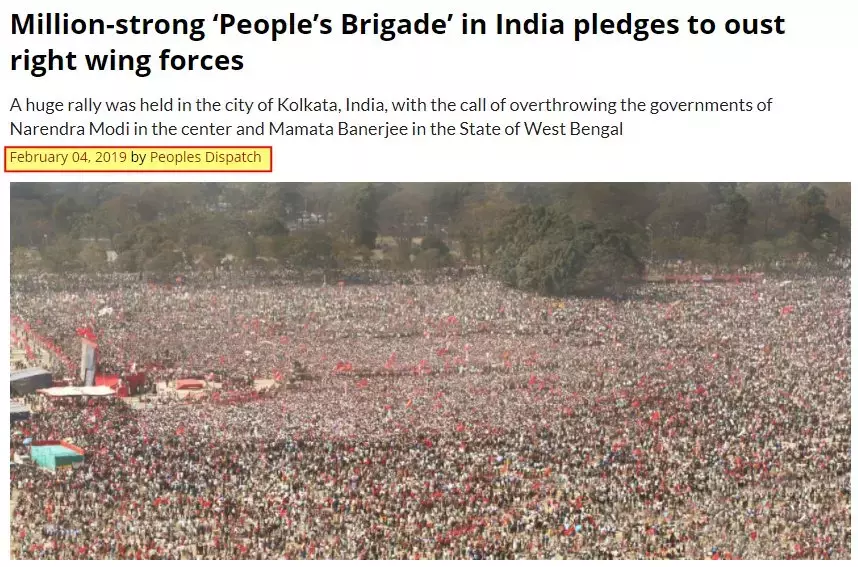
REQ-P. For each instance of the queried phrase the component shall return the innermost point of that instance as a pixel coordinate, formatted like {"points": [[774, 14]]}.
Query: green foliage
{"points": [[814, 219], [792, 244], [25, 260], [545, 250], [242, 247], [360, 216], [428, 260], [62, 255], [129, 261], [434, 242], [310, 249], [267, 224], [93, 258], [682, 210], [205, 258], [73, 225], [729, 217], [821, 248], [64, 211], [165, 262], [764, 252]]}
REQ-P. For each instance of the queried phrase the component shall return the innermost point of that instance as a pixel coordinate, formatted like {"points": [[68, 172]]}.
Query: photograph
{"points": [[408, 371]]}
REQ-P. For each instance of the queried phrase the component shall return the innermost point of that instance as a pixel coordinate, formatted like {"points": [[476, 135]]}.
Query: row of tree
{"points": [[555, 238]]}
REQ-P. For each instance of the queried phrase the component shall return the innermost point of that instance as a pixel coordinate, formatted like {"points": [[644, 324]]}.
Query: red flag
{"points": [[391, 362]]}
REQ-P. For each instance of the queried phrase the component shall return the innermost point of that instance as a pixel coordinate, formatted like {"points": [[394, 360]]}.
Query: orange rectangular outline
{"points": [[269, 170]]}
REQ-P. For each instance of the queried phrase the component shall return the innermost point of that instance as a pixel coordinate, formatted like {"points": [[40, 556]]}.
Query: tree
{"points": [[694, 248], [266, 223], [361, 217], [400, 216], [625, 205], [318, 198], [608, 266], [62, 255], [811, 212], [129, 261], [310, 249], [545, 250], [282, 201], [148, 240], [434, 242], [720, 223], [148, 207], [445, 202], [682, 210], [729, 218], [821, 248], [205, 257], [428, 260], [24, 260], [164, 262], [118, 214], [479, 221], [545, 267], [792, 244], [123, 242], [764, 252], [271, 247], [63, 214], [30, 222], [840, 207], [768, 206], [93, 258], [242, 247]]}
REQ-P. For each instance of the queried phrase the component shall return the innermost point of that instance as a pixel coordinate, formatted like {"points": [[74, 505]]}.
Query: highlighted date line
{"points": [[129, 159]]}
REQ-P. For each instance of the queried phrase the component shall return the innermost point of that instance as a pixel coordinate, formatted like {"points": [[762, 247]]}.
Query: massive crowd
{"points": [[447, 419]]}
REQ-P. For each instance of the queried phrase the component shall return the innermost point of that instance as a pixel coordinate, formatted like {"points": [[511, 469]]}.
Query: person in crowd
{"points": [[451, 419]]}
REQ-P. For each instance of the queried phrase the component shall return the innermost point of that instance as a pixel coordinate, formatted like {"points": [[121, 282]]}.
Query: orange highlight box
{"points": [[138, 159]]}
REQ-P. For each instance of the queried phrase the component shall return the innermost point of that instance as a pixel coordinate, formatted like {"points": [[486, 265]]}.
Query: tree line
{"points": [[557, 238]]}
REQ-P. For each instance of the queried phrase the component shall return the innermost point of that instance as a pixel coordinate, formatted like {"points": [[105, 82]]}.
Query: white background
{"points": [[810, 72]]}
